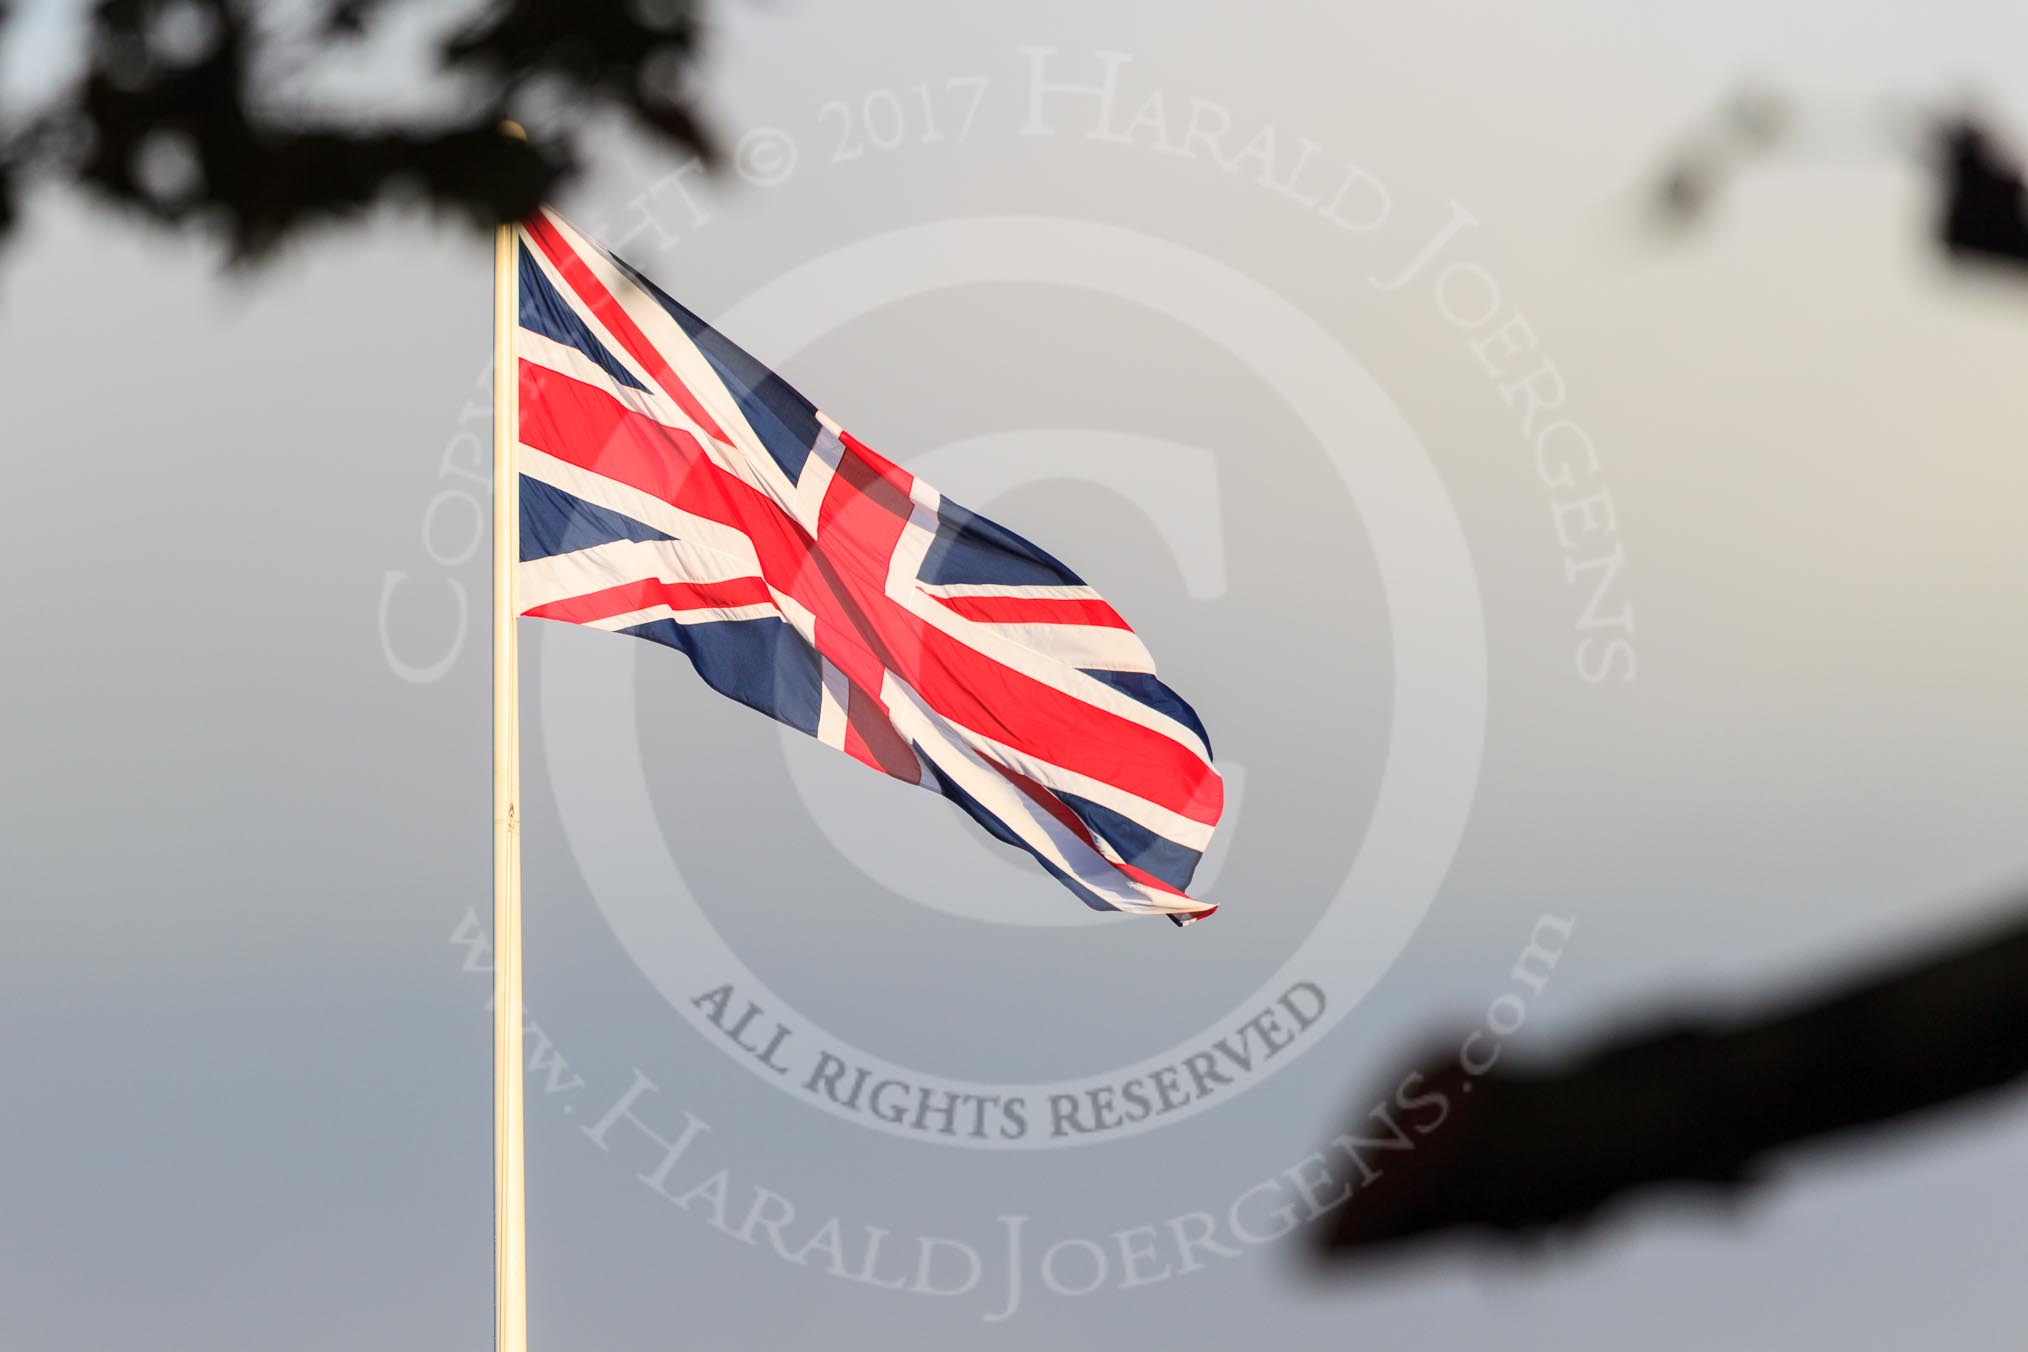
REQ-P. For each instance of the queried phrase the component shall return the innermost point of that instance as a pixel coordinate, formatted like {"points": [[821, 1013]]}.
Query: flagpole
{"points": [[510, 1183]]}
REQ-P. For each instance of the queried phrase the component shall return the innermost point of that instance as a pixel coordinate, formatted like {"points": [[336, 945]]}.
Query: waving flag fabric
{"points": [[675, 489]]}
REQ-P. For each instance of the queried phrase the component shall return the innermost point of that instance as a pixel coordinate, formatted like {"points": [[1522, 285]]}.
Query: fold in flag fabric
{"points": [[675, 489]]}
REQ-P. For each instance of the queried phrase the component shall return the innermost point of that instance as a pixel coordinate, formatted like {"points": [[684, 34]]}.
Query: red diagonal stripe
{"points": [[618, 322], [1048, 802]]}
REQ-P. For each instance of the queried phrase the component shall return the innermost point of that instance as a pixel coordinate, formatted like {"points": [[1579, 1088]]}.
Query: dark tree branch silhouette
{"points": [[1702, 1103], [1982, 211], [187, 112]]}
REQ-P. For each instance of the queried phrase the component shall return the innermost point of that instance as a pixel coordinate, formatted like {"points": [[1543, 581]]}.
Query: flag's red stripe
{"points": [[842, 580], [872, 738], [1149, 880], [1036, 610], [880, 465], [861, 519], [617, 321], [628, 597]]}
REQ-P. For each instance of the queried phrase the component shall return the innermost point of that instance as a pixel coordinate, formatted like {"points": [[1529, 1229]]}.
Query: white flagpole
{"points": [[510, 1183]]}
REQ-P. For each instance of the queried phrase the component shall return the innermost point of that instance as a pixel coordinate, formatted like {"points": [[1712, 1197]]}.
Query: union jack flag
{"points": [[675, 489]]}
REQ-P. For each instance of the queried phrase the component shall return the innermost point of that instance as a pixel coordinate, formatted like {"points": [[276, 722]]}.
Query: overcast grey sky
{"points": [[249, 1081]]}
